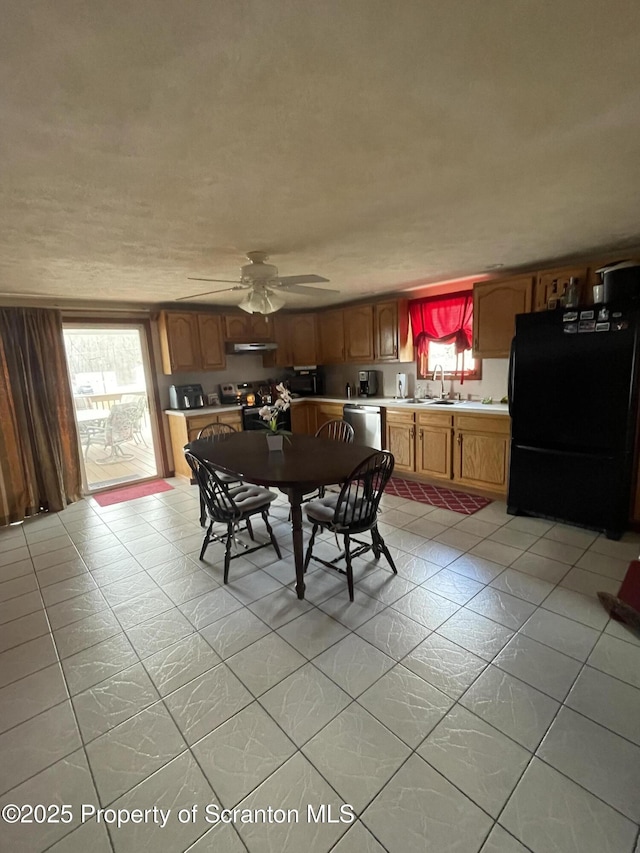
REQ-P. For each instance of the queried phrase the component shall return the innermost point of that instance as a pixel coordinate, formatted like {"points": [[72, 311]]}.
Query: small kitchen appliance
{"points": [[186, 397], [368, 383], [401, 386], [620, 283], [307, 382]]}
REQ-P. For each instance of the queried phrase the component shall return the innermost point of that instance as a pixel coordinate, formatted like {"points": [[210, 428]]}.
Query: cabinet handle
{"points": [[421, 435], [459, 439], [413, 432]]}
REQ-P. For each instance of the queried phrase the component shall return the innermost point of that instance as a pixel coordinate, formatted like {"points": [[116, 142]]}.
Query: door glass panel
{"points": [[109, 375]]}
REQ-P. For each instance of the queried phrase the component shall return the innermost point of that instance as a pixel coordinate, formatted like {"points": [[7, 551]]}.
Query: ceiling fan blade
{"points": [[306, 291], [223, 280], [209, 292], [300, 279]]}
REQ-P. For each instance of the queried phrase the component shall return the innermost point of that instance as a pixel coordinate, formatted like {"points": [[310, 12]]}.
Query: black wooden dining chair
{"points": [[230, 504], [335, 430], [352, 512], [216, 432]]}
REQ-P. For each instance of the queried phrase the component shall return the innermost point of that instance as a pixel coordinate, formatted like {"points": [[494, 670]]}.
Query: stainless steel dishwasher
{"points": [[366, 422]]}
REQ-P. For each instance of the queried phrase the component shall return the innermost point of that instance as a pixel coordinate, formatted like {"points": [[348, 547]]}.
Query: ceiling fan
{"points": [[265, 287]]}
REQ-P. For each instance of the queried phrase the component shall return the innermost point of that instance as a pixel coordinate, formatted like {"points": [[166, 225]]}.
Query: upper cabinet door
{"points": [[245, 328], [211, 343], [358, 333], [391, 334], [495, 305], [179, 342], [331, 337], [236, 327], [302, 333], [385, 325]]}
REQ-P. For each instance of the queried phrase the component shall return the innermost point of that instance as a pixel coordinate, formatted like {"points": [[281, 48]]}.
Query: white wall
{"points": [[493, 382]]}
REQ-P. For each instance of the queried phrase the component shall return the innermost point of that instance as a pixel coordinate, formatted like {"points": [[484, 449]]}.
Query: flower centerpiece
{"points": [[269, 415]]}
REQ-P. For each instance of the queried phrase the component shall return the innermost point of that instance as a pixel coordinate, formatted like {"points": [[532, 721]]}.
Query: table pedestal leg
{"points": [[295, 499]]}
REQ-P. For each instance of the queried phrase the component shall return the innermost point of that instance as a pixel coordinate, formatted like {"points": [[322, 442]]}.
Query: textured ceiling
{"points": [[380, 144]]}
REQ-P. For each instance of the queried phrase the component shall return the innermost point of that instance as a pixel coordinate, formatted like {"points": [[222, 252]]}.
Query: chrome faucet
{"points": [[433, 378]]}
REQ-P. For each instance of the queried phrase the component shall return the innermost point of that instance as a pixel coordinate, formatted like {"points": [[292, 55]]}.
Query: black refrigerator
{"points": [[573, 399]]}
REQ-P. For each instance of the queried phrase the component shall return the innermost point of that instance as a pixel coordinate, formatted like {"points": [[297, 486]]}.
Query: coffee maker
{"points": [[367, 383]]}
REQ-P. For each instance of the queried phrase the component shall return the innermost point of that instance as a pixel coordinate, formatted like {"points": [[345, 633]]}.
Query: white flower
{"points": [[280, 404], [265, 413]]}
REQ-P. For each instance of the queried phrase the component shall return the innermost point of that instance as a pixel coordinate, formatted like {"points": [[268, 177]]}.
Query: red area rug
{"points": [[129, 493], [436, 496]]}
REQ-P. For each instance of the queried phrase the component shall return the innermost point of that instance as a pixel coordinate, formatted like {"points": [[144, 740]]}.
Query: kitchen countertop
{"points": [[388, 402], [474, 406], [207, 410]]}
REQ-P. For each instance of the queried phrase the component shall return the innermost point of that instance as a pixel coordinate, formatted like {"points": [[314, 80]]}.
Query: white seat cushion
{"points": [[249, 497]]}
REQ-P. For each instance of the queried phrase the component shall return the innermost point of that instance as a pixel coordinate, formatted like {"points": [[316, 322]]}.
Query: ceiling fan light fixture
{"points": [[260, 300]]}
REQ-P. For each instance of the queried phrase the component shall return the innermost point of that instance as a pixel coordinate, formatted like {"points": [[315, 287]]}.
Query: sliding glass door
{"points": [[111, 382]]}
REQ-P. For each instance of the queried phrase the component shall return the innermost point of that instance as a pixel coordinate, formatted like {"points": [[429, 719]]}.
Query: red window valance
{"points": [[443, 318]]}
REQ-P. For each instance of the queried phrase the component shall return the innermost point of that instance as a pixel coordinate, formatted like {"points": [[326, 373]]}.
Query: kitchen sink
{"points": [[442, 402]]}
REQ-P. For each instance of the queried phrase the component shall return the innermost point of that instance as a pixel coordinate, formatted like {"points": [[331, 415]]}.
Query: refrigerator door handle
{"points": [[511, 382]]}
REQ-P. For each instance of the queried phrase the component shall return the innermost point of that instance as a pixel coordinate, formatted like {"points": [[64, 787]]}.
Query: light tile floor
{"points": [[480, 700]]}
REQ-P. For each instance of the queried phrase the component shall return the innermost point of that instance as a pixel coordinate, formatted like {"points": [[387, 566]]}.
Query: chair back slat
{"points": [[215, 493]]}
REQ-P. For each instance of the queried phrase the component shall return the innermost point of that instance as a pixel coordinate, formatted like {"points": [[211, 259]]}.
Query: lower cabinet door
{"points": [[482, 460], [433, 452], [401, 442]]}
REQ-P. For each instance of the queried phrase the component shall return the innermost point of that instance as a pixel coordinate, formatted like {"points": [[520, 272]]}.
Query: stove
{"points": [[244, 393], [251, 396]]}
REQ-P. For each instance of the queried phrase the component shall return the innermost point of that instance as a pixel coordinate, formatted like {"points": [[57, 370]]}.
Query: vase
{"points": [[274, 442]]}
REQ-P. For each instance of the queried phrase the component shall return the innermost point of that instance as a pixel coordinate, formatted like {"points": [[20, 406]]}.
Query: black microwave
{"points": [[306, 383]]}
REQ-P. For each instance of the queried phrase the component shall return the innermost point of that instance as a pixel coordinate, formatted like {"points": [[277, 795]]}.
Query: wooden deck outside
{"points": [[103, 470]]}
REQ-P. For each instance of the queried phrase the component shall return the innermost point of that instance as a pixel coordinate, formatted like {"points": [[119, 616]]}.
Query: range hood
{"points": [[238, 349]]}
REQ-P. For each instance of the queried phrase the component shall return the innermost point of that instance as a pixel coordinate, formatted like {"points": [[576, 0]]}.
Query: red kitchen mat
{"points": [[128, 493], [436, 496]]}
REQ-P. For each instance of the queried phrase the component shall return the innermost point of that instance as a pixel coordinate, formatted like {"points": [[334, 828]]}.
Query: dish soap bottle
{"points": [[572, 296]]}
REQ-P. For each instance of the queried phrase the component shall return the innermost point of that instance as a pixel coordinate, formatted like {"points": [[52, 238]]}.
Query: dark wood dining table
{"points": [[304, 464]]}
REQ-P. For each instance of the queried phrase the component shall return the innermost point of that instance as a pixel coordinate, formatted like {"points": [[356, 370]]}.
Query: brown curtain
{"points": [[39, 458]]}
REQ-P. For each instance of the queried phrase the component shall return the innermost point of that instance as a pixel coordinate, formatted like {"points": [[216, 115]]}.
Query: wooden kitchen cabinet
{"points": [[400, 438], [302, 331], [391, 331], [179, 342], [330, 326], [358, 333], [495, 305], [185, 428], [212, 355], [303, 418], [433, 445], [481, 452], [552, 283], [246, 328], [326, 412], [190, 341], [295, 335]]}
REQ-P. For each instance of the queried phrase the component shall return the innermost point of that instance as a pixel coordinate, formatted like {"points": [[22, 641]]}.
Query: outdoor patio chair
{"points": [[113, 432]]}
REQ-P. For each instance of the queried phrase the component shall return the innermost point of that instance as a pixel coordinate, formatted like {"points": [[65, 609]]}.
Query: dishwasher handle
{"points": [[354, 407]]}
